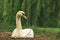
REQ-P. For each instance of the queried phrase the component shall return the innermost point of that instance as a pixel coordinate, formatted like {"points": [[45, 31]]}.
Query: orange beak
{"points": [[24, 16]]}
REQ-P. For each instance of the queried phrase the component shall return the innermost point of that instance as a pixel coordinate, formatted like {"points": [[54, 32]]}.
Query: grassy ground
{"points": [[50, 32], [37, 30]]}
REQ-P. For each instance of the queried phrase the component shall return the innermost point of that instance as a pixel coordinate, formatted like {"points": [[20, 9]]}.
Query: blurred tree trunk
{"points": [[5, 9]]}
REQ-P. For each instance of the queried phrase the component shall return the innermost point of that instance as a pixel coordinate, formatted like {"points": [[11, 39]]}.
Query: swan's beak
{"points": [[24, 16]]}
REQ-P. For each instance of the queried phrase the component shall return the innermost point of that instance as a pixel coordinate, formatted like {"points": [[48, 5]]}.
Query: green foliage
{"points": [[42, 13]]}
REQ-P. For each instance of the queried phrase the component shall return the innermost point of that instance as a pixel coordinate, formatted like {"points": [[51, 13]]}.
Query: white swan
{"points": [[19, 32]]}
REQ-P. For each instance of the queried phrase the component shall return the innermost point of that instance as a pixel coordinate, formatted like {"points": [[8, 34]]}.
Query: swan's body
{"points": [[25, 33], [19, 32]]}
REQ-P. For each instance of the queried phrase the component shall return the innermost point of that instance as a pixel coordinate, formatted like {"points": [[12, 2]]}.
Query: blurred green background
{"points": [[40, 13]]}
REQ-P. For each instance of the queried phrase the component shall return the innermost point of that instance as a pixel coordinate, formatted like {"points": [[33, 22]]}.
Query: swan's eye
{"points": [[23, 14]]}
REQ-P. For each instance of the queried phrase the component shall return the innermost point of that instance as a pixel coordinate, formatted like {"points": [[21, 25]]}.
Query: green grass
{"points": [[7, 27], [36, 29], [45, 30]]}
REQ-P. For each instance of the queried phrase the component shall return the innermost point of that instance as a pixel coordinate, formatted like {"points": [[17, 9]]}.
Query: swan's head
{"points": [[22, 14]]}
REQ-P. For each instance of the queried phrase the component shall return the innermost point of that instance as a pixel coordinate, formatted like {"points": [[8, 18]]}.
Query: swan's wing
{"points": [[25, 32]]}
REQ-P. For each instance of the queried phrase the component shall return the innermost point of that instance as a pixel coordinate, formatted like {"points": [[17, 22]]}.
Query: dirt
{"points": [[6, 36]]}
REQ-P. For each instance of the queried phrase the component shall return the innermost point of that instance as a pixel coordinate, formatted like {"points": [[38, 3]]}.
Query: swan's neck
{"points": [[18, 23]]}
